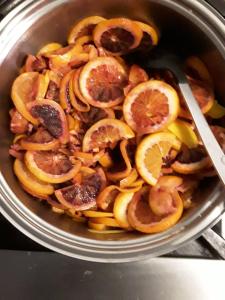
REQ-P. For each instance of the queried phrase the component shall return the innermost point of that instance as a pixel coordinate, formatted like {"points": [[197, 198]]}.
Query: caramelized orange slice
{"points": [[120, 209], [161, 195], [142, 218], [52, 167], [151, 106], [203, 94], [49, 48], [31, 182], [40, 140], [150, 36], [24, 90], [97, 214], [83, 28], [104, 134], [114, 176], [81, 196], [117, 36], [51, 116], [102, 81]]}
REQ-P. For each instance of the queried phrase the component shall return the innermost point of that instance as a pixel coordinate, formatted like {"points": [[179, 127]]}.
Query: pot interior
{"points": [[176, 29]]}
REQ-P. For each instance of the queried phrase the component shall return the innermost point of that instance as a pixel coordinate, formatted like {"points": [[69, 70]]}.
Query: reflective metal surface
{"points": [[66, 278], [192, 27]]}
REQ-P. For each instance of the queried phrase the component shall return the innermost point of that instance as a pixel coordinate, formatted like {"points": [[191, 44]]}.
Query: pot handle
{"points": [[6, 6]]}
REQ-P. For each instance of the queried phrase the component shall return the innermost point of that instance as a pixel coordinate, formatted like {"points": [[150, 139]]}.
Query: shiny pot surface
{"points": [[192, 27]]}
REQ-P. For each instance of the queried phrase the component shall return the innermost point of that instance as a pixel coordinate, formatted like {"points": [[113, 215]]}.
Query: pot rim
{"points": [[111, 251]]}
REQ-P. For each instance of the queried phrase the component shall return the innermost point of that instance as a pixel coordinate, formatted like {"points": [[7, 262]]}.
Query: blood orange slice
{"points": [[81, 196], [24, 90], [151, 106], [51, 116], [31, 182], [83, 28], [52, 167], [150, 36], [142, 218], [40, 140], [102, 81], [117, 36], [104, 133]]}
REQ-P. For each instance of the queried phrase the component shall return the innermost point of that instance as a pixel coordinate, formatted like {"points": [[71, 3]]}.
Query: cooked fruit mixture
{"points": [[105, 141]]}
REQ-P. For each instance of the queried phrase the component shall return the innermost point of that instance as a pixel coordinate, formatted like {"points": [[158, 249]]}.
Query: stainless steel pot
{"points": [[193, 27]]}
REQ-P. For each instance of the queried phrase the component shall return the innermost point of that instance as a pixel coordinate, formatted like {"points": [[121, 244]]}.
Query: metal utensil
{"points": [[162, 59]]}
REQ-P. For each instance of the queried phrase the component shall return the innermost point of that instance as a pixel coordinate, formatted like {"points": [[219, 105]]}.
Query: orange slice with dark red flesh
{"points": [[40, 140], [136, 75], [51, 166], [117, 36], [142, 218], [105, 133], [30, 182], [35, 64], [191, 161], [81, 196], [102, 81], [204, 95], [64, 93], [18, 123], [24, 90], [51, 115], [151, 106], [150, 36], [84, 28]]}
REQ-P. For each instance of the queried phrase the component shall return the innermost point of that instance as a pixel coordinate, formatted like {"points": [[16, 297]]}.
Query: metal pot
{"points": [[193, 27]]}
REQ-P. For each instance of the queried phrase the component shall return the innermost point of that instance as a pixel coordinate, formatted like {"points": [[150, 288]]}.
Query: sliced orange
{"points": [[129, 180], [51, 115], [142, 218], [191, 161], [150, 36], [35, 64], [104, 133], [151, 152], [137, 75], [64, 93], [217, 111], [117, 36], [52, 167], [31, 182], [151, 106], [111, 222], [96, 227], [161, 195], [196, 68], [49, 48], [120, 209], [40, 140], [102, 81], [24, 90], [203, 94], [84, 40], [184, 132], [106, 161], [18, 124], [97, 214], [83, 28], [119, 175]]}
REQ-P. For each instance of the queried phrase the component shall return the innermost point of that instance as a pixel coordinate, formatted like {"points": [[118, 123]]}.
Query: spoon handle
{"points": [[213, 148]]}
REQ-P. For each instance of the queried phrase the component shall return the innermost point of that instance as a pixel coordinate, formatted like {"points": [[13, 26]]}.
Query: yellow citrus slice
{"points": [[97, 227], [102, 81], [120, 209], [151, 152], [31, 182], [52, 167], [48, 48], [24, 90], [217, 111], [151, 106], [104, 133], [111, 222], [97, 214], [83, 28], [117, 36], [184, 132]]}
